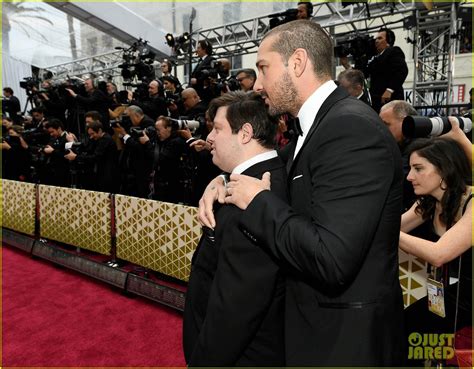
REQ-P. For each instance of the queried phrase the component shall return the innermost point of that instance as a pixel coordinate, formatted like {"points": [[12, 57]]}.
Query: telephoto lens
{"points": [[416, 126]]}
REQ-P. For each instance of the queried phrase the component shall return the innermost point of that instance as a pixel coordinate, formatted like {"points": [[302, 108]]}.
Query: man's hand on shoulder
{"points": [[242, 189]]}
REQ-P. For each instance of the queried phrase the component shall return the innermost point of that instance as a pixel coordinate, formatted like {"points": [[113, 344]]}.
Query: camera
{"points": [[178, 124], [282, 18], [77, 148], [136, 132], [171, 98], [30, 84], [417, 126], [362, 48]]}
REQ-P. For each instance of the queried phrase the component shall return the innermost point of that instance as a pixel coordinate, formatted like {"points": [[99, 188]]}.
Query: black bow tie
{"points": [[297, 127]]}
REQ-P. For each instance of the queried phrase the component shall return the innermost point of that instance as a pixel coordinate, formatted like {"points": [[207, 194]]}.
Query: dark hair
{"points": [[309, 7], [54, 124], [8, 89], [453, 167], [169, 64], [95, 126], [206, 45], [37, 110], [95, 115], [165, 119], [171, 79], [306, 35], [249, 72], [247, 108], [389, 35]]}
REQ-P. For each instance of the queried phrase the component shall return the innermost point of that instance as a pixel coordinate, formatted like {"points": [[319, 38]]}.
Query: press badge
{"points": [[436, 297]]}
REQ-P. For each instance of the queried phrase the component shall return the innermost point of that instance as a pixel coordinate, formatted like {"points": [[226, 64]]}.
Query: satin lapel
{"points": [[338, 94]]}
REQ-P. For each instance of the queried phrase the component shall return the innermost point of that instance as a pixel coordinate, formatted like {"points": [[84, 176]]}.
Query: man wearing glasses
{"points": [[246, 79]]}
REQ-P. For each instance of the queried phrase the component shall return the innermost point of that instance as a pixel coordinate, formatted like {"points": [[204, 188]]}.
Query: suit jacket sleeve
{"points": [[243, 288], [397, 69], [350, 172]]}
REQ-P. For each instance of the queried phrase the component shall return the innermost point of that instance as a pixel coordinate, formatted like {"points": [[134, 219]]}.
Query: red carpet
{"points": [[56, 317]]}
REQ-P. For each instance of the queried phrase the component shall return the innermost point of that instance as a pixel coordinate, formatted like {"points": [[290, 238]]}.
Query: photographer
{"points": [[11, 105], [135, 166], [103, 159], [95, 99], [354, 82], [52, 101], [199, 78], [166, 150], [57, 167], [173, 96], [15, 155], [387, 70], [154, 105], [305, 10], [246, 79]]}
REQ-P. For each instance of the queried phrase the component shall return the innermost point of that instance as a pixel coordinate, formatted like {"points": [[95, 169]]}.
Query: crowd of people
{"points": [[313, 189]]}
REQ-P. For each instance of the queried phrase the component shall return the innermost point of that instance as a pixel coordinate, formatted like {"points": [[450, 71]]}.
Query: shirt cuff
{"points": [[68, 145], [390, 90], [125, 138]]}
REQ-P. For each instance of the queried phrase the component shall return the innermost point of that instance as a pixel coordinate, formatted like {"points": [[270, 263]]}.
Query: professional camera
{"points": [[282, 18], [418, 126], [136, 132], [171, 98], [77, 148], [362, 48], [178, 124], [137, 61], [30, 84]]}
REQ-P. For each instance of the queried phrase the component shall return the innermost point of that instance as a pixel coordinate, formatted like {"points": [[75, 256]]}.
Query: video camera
{"points": [[30, 84], [137, 61], [418, 126], [283, 17], [361, 48]]}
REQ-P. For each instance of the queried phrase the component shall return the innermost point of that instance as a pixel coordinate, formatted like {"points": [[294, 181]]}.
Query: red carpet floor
{"points": [[56, 317]]}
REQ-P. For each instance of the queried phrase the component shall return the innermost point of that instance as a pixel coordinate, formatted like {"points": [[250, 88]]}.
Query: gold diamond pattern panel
{"points": [[157, 235], [76, 217], [18, 202], [412, 275]]}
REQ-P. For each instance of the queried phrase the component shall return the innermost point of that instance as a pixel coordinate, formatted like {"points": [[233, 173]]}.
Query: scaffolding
{"points": [[433, 34]]}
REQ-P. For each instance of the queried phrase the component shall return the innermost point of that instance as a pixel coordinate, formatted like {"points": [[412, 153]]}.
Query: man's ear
{"points": [[246, 133], [298, 62]]}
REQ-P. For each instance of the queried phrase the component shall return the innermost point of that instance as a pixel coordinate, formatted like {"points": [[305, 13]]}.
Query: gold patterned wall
{"points": [[18, 206], [157, 235], [412, 276], [76, 217]]}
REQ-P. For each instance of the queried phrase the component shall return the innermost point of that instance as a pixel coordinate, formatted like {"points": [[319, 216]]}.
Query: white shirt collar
{"points": [[310, 109], [242, 167]]}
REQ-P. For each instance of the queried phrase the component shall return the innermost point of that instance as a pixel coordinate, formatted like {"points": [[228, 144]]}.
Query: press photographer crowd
{"points": [[150, 141]]}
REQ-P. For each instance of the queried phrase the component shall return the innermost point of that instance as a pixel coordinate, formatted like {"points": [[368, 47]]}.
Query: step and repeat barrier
{"points": [[76, 217], [152, 234], [157, 235], [18, 206]]}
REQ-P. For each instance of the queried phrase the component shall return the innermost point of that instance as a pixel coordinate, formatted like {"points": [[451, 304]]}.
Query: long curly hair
{"points": [[453, 167]]}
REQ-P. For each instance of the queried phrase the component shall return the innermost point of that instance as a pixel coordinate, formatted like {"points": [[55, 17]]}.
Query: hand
{"points": [[70, 137], [130, 95], [387, 95], [241, 189], [48, 149], [215, 190], [282, 127], [71, 156], [5, 146], [172, 107], [200, 145], [44, 96], [456, 132], [144, 139], [120, 130], [13, 133], [185, 133], [71, 92]]}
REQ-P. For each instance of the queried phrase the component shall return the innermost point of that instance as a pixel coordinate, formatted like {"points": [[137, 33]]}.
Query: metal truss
{"points": [[434, 50]]}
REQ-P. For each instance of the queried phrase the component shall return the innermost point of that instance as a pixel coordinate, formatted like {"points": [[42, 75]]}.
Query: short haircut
{"points": [[389, 35], [169, 64], [306, 35], [401, 108], [95, 115], [171, 79], [54, 124], [309, 7], [37, 110], [135, 109], [247, 108], [249, 72], [95, 126], [353, 76], [206, 45], [165, 119], [8, 89]]}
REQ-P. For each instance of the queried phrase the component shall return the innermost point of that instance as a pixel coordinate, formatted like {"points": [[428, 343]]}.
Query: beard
{"points": [[285, 97]]}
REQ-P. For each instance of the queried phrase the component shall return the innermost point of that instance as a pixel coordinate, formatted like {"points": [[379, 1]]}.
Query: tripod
{"points": [[29, 100]]}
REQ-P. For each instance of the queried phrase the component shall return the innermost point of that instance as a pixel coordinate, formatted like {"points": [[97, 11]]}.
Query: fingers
{"points": [[266, 180], [203, 215]]}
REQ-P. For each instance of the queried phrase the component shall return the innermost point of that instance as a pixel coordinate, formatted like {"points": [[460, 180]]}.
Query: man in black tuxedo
{"points": [[338, 238], [387, 70], [354, 82], [234, 304], [200, 75]]}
